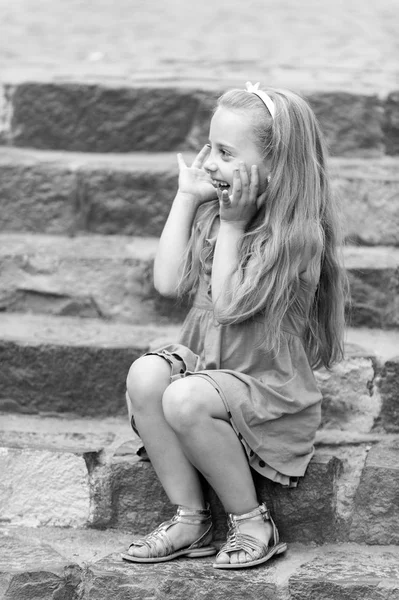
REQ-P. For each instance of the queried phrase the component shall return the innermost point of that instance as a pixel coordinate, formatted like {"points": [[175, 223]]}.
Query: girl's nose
{"points": [[210, 166]]}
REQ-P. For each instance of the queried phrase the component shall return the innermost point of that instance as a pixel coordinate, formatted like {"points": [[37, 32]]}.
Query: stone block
{"points": [[352, 123], [110, 118], [179, 580], [35, 571], [388, 385], [100, 118], [349, 401], [347, 573], [306, 513], [35, 198], [376, 506], [44, 487], [92, 276]]}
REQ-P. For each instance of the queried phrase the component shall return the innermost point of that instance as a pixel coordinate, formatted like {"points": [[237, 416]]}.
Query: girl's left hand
{"points": [[244, 203]]}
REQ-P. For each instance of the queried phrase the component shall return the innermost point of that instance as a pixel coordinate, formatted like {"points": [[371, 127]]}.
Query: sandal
{"points": [[257, 550], [201, 546]]}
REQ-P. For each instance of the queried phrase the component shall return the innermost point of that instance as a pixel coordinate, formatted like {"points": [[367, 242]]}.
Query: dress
{"points": [[272, 398]]}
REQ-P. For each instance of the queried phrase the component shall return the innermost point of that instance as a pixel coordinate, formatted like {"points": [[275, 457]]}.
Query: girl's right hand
{"points": [[195, 181]]}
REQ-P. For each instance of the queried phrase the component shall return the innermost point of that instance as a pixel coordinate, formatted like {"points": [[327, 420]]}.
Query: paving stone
{"points": [[376, 511], [35, 571], [349, 573], [131, 194], [105, 117]]}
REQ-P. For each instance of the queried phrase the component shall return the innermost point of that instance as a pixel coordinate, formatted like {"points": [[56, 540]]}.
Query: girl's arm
{"points": [[195, 188]]}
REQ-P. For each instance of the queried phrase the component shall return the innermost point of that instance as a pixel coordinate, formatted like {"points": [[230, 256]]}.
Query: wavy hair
{"points": [[298, 222]]}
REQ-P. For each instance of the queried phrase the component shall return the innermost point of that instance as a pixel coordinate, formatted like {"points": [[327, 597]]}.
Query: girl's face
{"points": [[232, 141]]}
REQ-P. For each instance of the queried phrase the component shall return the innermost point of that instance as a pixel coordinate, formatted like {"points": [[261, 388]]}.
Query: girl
{"points": [[252, 233]]}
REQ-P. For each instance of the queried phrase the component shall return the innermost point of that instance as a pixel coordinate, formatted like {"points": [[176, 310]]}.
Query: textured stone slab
{"points": [[106, 117], [34, 570], [350, 402], [111, 277], [376, 512], [110, 578], [44, 487], [68, 364], [388, 384], [350, 572], [131, 194]]}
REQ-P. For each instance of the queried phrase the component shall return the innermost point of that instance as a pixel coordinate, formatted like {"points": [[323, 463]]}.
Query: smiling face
{"points": [[232, 140]]}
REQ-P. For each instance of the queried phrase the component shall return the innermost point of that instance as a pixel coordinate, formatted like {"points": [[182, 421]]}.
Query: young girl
{"points": [[252, 234]]}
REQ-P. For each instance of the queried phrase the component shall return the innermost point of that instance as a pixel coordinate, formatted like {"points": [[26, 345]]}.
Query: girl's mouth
{"points": [[220, 185]]}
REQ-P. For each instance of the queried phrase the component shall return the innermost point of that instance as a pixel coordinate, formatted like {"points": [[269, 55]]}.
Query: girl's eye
{"points": [[224, 153]]}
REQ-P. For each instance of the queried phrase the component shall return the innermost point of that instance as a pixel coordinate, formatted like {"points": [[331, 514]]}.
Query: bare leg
{"points": [[148, 378], [198, 416]]}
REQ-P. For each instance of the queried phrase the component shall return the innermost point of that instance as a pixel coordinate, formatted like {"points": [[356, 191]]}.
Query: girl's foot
{"points": [[188, 533], [257, 528], [252, 539]]}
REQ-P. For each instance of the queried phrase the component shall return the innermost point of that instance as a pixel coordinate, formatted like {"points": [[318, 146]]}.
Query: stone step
{"points": [[69, 193], [111, 277], [70, 472], [51, 363], [87, 564], [103, 115]]}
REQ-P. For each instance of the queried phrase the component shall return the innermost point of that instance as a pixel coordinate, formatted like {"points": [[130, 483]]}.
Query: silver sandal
{"points": [[257, 550], [201, 547]]}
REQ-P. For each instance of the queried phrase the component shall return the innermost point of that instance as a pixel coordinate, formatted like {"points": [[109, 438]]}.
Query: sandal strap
{"points": [[189, 516], [241, 541], [260, 510]]}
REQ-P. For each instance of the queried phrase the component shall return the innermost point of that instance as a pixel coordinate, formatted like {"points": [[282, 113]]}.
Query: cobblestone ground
{"points": [[354, 43]]}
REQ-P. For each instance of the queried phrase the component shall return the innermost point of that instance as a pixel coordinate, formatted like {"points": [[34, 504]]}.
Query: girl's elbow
{"points": [[166, 288]]}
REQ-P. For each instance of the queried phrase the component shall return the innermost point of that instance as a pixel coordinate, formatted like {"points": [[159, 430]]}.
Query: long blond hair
{"points": [[299, 219]]}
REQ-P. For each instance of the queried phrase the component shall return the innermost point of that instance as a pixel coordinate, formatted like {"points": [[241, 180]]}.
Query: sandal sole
{"points": [[196, 553], [278, 549]]}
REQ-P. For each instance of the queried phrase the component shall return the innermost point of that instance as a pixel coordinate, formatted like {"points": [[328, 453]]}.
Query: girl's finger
{"points": [[237, 187], [225, 198], [201, 157], [254, 184], [180, 161], [244, 179]]}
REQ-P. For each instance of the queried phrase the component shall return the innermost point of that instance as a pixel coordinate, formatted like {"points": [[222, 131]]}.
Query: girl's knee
{"points": [[147, 379], [184, 403]]}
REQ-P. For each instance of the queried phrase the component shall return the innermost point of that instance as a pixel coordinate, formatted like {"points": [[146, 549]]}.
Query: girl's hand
{"points": [[194, 180], [244, 203]]}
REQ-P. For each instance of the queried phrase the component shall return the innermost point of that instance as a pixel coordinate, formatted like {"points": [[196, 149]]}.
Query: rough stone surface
{"points": [[388, 384], [349, 400], [131, 194], [111, 277], [42, 487], [179, 580], [391, 123], [35, 571], [68, 364], [358, 575], [110, 118], [376, 512]]}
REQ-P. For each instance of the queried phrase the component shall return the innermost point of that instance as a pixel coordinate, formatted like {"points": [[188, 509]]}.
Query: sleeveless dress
{"points": [[271, 397]]}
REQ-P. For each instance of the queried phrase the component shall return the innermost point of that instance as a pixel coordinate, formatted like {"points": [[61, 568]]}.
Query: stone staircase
{"points": [[87, 176]]}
